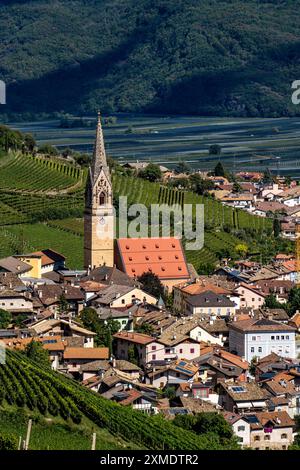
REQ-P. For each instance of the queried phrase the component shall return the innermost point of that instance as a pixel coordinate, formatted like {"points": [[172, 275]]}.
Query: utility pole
{"points": [[94, 439], [28, 434]]}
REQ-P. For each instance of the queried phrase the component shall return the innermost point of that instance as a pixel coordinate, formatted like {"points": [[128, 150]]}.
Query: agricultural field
{"points": [[30, 174], [28, 385], [247, 143], [31, 237], [55, 433]]}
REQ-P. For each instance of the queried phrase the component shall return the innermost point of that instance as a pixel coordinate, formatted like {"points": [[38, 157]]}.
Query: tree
{"points": [[104, 329], [133, 354], [219, 170], [241, 249], [182, 167], [47, 149], [276, 227], [208, 423], [215, 149], [293, 303], [152, 285], [35, 351], [200, 185], [90, 319], [19, 320], [272, 302], [236, 188], [63, 304], [170, 393], [29, 143], [5, 319], [145, 328], [152, 172], [267, 177], [252, 366], [8, 441]]}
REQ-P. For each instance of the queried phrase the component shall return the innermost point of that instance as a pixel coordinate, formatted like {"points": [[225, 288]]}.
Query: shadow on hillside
{"points": [[246, 90], [56, 90], [241, 91]]}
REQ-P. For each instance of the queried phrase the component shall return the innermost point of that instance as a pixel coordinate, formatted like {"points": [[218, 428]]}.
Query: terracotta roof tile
{"points": [[86, 353], [163, 256]]}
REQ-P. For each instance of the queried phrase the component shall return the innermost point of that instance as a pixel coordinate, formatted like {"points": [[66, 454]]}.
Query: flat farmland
{"points": [[247, 143]]}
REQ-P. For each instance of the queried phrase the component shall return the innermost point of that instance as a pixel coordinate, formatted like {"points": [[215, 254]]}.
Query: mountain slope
{"points": [[226, 57]]}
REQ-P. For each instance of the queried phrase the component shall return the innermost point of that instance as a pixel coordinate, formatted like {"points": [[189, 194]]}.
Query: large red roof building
{"points": [[162, 256]]}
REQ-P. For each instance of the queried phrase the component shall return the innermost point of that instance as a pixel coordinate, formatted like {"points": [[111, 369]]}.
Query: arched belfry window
{"points": [[102, 199]]}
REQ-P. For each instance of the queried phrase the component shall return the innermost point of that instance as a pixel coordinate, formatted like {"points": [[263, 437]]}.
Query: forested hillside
{"points": [[213, 57]]}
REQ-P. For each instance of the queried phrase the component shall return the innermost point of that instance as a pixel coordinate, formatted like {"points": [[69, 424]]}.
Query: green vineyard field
{"points": [[27, 385]]}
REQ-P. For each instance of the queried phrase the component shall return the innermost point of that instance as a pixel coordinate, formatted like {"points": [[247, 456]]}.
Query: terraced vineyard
{"points": [[37, 175], [27, 385]]}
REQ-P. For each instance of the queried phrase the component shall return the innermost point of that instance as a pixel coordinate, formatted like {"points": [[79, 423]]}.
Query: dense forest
{"points": [[209, 57]]}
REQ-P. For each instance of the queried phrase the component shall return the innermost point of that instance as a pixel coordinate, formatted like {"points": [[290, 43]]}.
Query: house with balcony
{"points": [[271, 430], [242, 397]]}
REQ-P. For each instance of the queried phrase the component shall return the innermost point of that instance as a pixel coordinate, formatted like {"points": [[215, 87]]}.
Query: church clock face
{"points": [[102, 220]]}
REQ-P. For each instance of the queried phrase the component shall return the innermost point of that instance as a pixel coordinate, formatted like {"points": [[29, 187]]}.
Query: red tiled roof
{"points": [[163, 256], [139, 338], [86, 353], [131, 397], [45, 259], [199, 288], [291, 265]]}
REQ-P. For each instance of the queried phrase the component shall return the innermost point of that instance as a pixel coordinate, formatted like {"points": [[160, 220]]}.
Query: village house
{"points": [[123, 315], [13, 265], [240, 427], [74, 358], [186, 291], [290, 197], [64, 328], [167, 347], [179, 372], [219, 364], [288, 229], [97, 368], [271, 430], [258, 338], [284, 394], [16, 302], [209, 303], [250, 297], [239, 201], [53, 296], [242, 397], [115, 296]]}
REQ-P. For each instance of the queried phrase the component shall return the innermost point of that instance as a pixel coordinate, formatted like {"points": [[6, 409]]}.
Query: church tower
{"points": [[99, 211]]}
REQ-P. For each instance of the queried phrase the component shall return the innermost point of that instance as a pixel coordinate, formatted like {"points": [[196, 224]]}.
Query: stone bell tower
{"points": [[99, 211]]}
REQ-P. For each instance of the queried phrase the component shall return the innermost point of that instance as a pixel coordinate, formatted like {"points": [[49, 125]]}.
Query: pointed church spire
{"points": [[99, 156]]}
